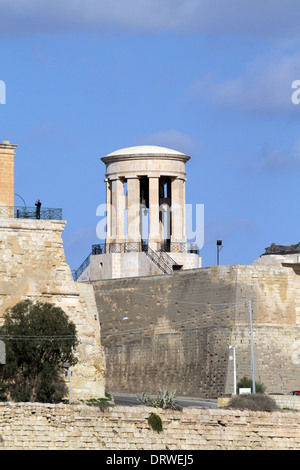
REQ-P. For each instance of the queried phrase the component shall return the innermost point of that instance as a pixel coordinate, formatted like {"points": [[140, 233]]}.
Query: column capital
{"points": [[178, 177], [133, 177], [115, 178]]}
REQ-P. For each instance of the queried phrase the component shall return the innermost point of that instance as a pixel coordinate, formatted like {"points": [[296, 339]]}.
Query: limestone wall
{"points": [[180, 326], [187, 260], [33, 265], [132, 264], [116, 265], [81, 427]]}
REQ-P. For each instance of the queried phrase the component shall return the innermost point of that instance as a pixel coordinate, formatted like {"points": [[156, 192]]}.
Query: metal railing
{"points": [[76, 273], [178, 247], [44, 213], [165, 264], [127, 247], [166, 247], [160, 257]]}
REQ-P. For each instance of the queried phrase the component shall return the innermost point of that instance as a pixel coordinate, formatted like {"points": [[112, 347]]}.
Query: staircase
{"points": [[164, 262], [76, 273], [161, 259]]}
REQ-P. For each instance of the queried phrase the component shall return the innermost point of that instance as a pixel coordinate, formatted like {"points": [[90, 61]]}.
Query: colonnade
{"points": [[166, 208]]}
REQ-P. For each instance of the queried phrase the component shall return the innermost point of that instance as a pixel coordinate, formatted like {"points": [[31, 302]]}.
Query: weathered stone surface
{"points": [[33, 265], [7, 153], [180, 326], [80, 427]]}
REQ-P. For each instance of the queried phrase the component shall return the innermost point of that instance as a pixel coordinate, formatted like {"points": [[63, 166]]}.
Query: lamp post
{"points": [[252, 351], [219, 248], [66, 366], [2, 352], [234, 368]]}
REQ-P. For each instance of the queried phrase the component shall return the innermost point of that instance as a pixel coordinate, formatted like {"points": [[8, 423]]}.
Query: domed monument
{"points": [[145, 201]]}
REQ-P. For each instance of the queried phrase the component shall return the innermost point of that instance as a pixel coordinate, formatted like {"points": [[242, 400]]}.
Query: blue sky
{"points": [[210, 78]]}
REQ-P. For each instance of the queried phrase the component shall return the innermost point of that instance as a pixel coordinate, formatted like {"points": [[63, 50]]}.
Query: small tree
{"points": [[39, 339], [245, 382]]}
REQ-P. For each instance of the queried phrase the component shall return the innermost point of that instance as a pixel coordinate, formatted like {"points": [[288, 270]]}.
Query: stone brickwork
{"points": [[7, 153], [81, 427], [117, 265], [180, 326], [132, 264], [33, 266]]}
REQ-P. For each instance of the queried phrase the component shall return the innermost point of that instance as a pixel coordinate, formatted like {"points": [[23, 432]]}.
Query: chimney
{"points": [[7, 154]]}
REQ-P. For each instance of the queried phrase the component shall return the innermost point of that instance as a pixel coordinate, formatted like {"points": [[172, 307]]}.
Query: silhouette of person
{"points": [[38, 209]]}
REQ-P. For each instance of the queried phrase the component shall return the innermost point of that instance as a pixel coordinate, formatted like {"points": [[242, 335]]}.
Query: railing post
{"points": [[30, 213]]}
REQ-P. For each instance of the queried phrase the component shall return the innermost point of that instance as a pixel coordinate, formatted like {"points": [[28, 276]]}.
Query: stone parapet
{"points": [[32, 426]]}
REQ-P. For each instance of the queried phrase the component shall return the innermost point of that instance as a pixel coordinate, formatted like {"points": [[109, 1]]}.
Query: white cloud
{"points": [[265, 86], [273, 160], [173, 139], [257, 18], [270, 160]]}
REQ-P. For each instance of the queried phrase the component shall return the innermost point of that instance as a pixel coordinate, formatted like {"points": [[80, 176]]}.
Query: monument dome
{"points": [[145, 150]]}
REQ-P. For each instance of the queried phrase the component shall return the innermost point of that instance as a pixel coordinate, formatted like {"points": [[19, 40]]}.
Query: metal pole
{"points": [[234, 368], [234, 371], [69, 374], [252, 353], [219, 248]]}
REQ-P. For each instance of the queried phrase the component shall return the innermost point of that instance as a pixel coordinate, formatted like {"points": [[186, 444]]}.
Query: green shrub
{"points": [[254, 402], [155, 422], [39, 339], [100, 401], [164, 399], [245, 382]]}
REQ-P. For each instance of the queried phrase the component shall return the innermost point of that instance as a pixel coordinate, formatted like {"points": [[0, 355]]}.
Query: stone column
{"points": [[154, 224], [133, 207], [183, 211], [117, 206], [108, 211], [178, 210], [7, 153]]}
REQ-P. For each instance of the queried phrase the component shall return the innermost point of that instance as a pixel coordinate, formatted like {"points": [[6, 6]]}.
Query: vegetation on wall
{"points": [[163, 399], [39, 340], [155, 422]]}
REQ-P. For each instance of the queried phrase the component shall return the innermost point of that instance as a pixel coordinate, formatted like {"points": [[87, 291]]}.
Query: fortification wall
{"points": [[32, 426], [33, 265], [180, 326]]}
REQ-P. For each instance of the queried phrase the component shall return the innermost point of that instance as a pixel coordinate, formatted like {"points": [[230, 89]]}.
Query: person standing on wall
{"points": [[38, 209]]}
